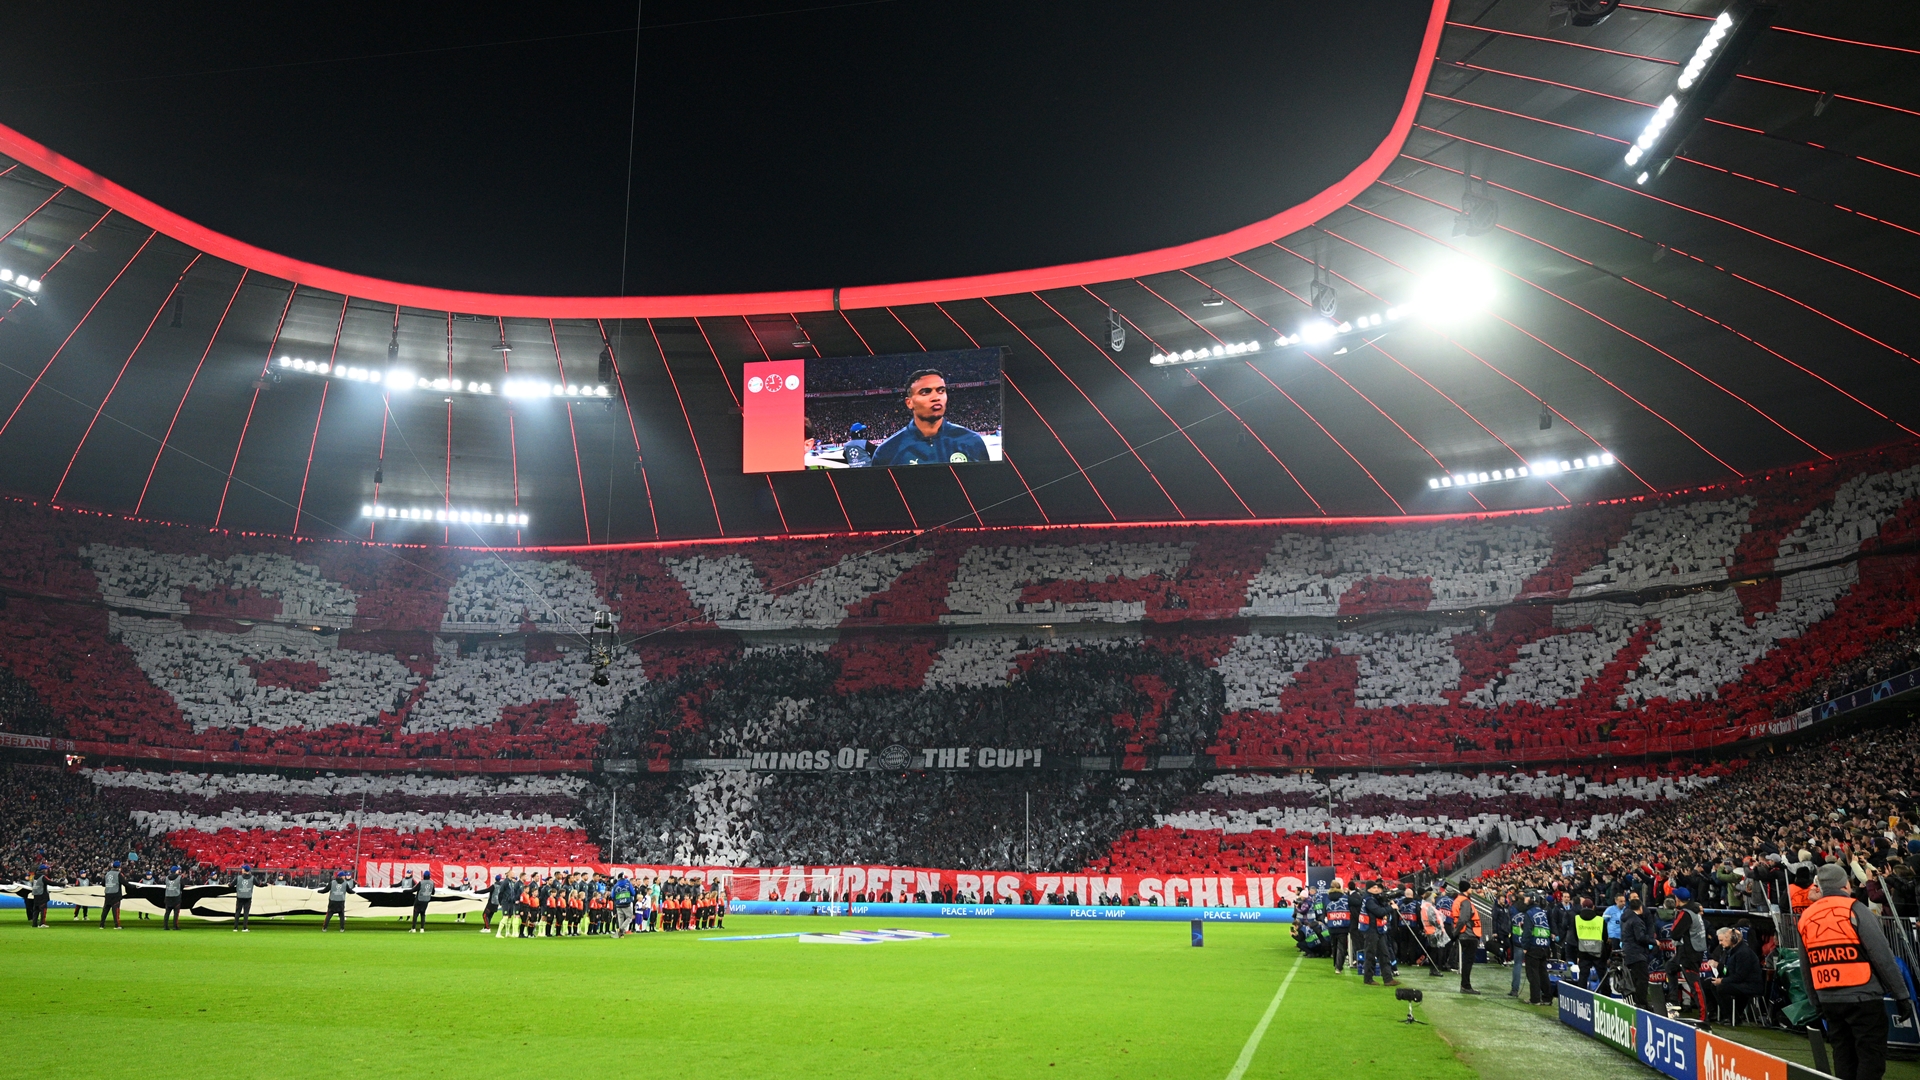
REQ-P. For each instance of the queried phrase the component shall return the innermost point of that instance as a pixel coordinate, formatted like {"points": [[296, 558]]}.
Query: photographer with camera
{"points": [[1376, 919], [1466, 924]]}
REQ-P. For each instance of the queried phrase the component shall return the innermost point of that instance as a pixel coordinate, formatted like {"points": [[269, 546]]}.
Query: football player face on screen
{"points": [[927, 399]]}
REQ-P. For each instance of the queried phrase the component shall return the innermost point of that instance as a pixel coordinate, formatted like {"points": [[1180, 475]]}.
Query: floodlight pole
{"points": [[356, 836], [1329, 823]]}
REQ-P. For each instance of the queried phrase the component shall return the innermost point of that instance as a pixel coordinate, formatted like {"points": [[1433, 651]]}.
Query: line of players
{"points": [[557, 905]]}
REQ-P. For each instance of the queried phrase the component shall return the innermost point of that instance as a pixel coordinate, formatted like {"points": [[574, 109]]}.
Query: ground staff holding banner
{"points": [[243, 900], [422, 895], [176, 887], [110, 896], [37, 899], [1850, 969], [495, 892], [337, 901]]}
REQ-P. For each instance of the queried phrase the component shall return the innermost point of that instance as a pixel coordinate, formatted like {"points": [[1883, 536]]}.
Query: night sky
{"points": [[778, 145]]}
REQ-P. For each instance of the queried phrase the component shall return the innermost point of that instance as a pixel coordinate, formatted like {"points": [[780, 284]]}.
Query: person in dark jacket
{"points": [[1689, 933], [1380, 916], [1539, 926], [422, 894], [494, 892], [1637, 945], [1339, 919], [1736, 976], [421, 898], [37, 899]]}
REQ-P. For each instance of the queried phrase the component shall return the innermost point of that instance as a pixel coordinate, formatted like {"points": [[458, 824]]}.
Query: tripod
{"points": [[1614, 981]]}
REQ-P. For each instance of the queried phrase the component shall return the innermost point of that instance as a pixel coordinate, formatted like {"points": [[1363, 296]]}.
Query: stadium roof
{"points": [[1751, 308]]}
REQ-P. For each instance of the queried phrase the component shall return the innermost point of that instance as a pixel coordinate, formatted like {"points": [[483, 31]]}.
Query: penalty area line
{"points": [[1260, 1029]]}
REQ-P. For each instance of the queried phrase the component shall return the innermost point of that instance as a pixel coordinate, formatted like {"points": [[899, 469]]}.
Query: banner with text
{"points": [[794, 884]]}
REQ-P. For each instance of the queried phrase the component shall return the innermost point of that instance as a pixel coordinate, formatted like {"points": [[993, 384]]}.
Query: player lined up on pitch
{"points": [[557, 905]]}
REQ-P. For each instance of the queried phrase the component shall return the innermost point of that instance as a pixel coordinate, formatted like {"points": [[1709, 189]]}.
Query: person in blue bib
{"points": [[858, 449], [1339, 919], [931, 439]]}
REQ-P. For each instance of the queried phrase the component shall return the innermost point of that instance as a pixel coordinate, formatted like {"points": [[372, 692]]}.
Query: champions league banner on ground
{"points": [[798, 884], [216, 902]]}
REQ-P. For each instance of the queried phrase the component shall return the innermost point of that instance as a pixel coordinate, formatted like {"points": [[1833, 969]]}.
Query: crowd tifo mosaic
{"points": [[1603, 630], [917, 701]]}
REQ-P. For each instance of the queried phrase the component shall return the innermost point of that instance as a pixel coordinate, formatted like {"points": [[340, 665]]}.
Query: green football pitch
{"points": [[1012, 999]]}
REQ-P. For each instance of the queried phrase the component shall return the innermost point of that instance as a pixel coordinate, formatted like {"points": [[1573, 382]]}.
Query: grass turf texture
{"points": [[994, 999]]}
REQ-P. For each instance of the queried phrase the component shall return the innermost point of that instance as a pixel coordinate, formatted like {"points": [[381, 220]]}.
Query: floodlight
{"points": [[1457, 291]]}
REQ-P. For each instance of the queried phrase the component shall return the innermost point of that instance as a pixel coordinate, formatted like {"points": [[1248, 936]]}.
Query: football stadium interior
{"points": [[1247, 540]]}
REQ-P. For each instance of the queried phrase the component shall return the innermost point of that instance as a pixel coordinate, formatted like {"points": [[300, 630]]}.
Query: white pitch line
{"points": [[1260, 1029]]}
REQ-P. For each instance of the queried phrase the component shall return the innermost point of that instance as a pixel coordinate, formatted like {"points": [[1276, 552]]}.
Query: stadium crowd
{"points": [[1750, 841], [49, 817]]}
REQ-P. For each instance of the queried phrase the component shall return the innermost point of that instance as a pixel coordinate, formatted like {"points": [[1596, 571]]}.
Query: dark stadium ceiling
{"points": [[1755, 307], [787, 145]]}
